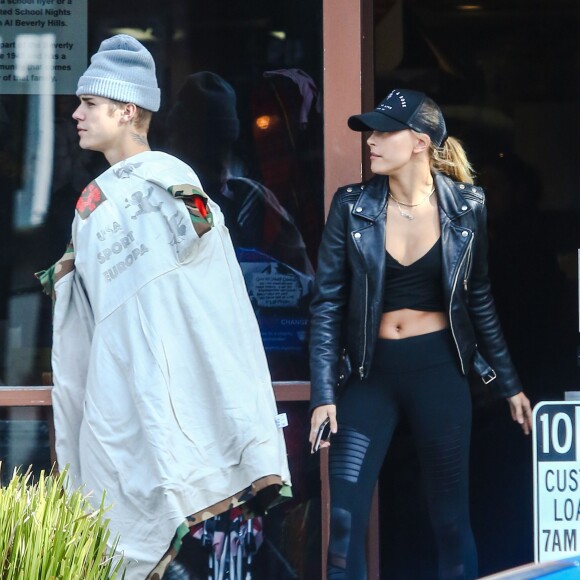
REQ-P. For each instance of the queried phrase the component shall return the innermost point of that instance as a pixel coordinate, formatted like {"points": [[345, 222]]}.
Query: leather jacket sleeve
{"points": [[328, 306], [483, 315]]}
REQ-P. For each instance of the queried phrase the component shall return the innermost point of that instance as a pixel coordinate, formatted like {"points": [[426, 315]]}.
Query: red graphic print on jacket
{"points": [[91, 198]]}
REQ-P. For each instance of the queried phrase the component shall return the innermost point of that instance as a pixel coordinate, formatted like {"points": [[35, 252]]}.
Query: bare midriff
{"points": [[405, 323]]}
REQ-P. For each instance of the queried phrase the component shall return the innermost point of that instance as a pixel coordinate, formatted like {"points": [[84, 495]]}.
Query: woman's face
{"points": [[391, 151]]}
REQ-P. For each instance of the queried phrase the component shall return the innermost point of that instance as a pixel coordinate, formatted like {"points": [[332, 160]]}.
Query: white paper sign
{"points": [[43, 46], [556, 480]]}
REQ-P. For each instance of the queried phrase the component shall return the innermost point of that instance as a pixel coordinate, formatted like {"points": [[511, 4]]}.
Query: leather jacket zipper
{"points": [[469, 260], [361, 368], [466, 255]]}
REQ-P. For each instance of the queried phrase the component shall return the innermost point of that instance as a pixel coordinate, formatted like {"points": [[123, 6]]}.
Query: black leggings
{"points": [[417, 377]]}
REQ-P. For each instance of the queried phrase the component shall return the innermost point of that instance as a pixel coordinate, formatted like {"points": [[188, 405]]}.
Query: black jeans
{"points": [[418, 377]]}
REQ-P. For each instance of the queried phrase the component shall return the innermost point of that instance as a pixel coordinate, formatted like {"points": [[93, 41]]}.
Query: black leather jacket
{"points": [[347, 304]]}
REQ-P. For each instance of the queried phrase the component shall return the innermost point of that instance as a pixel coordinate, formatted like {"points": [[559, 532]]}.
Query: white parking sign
{"points": [[556, 480]]}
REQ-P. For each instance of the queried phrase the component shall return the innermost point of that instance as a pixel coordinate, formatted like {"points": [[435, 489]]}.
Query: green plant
{"points": [[49, 534]]}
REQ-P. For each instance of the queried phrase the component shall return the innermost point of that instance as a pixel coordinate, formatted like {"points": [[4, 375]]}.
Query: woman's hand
{"points": [[318, 416], [521, 411]]}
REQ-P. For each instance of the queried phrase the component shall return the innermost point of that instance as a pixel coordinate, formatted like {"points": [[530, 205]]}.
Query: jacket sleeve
{"points": [[73, 329], [490, 340], [328, 306]]}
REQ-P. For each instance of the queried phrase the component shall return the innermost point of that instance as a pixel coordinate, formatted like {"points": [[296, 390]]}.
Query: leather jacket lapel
{"points": [[368, 220], [372, 200], [455, 238]]}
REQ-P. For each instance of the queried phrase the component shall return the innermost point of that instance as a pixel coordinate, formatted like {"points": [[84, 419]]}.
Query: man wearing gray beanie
{"points": [[162, 395]]}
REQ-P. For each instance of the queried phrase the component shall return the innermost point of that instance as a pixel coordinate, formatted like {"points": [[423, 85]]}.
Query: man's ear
{"points": [[422, 143], [128, 112]]}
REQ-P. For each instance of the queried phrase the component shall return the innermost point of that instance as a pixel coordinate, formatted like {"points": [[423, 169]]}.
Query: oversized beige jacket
{"points": [[162, 394]]}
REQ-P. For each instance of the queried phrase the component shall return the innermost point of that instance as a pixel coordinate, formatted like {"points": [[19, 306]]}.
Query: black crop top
{"points": [[417, 286]]}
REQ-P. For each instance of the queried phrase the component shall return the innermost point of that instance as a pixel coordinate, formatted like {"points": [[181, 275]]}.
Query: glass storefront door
{"points": [[241, 88]]}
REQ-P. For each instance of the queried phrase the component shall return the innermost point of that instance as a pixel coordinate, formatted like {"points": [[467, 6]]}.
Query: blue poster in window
{"points": [[280, 296]]}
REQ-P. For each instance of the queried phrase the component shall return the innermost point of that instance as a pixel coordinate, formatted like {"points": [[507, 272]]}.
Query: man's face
{"points": [[98, 123]]}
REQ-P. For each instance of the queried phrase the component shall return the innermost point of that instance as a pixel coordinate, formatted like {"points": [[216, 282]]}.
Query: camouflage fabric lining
{"points": [[240, 498], [196, 202], [49, 277]]}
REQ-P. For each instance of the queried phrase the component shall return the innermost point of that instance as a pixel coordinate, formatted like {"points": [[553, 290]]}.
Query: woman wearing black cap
{"points": [[403, 299]]}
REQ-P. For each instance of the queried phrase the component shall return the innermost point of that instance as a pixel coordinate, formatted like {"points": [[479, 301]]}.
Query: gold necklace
{"points": [[405, 214]]}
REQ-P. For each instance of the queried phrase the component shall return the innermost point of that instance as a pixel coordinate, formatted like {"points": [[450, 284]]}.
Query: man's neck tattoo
{"points": [[141, 139]]}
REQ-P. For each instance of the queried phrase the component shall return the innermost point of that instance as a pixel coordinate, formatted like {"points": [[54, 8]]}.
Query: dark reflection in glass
{"points": [[30, 241], [241, 104], [24, 443], [202, 128]]}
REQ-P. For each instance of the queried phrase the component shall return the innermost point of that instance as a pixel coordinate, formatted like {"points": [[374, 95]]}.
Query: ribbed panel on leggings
{"points": [[350, 448], [443, 461]]}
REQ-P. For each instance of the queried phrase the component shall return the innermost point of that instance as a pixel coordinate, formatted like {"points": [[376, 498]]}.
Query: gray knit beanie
{"points": [[122, 70]]}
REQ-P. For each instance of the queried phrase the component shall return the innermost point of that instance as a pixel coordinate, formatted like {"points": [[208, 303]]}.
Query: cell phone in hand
{"points": [[323, 434]]}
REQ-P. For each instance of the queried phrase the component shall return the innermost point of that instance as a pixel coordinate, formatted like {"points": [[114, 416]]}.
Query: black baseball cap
{"points": [[403, 109]]}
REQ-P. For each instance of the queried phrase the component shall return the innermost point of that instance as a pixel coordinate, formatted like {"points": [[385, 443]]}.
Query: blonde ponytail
{"points": [[451, 160]]}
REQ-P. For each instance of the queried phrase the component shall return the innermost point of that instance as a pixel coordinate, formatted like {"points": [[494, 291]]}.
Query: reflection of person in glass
{"points": [[402, 285], [518, 250], [203, 126], [162, 394]]}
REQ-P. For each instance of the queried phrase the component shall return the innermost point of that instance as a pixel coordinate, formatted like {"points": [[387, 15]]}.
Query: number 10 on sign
{"points": [[556, 480]]}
